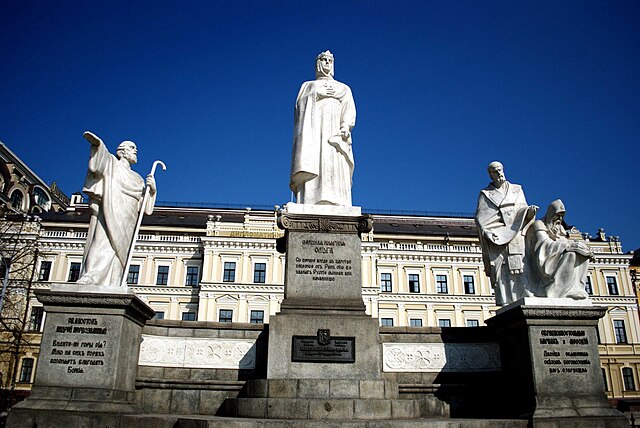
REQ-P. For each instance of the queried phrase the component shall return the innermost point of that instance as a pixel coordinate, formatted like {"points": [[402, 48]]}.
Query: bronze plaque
{"points": [[323, 348]]}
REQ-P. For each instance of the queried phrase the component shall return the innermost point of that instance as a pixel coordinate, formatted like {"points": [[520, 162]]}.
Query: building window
{"points": [[37, 314], [386, 322], [256, 317], [192, 276], [134, 273], [5, 264], [260, 273], [441, 284], [627, 378], [163, 275], [588, 287], [16, 200], [612, 284], [473, 323], [444, 323], [188, 316], [74, 272], [620, 331], [229, 274], [385, 283], [414, 283], [469, 285], [415, 322], [41, 198], [26, 370], [45, 271], [225, 315], [159, 315], [604, 379]]}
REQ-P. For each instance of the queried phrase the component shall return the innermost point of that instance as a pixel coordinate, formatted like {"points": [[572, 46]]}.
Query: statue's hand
{"points": [[151, 184], [92, 138], [345, 133]]}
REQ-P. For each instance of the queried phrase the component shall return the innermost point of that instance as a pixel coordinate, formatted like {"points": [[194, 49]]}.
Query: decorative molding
{"points": [[191, 352], [325, 223], [440, 357]]}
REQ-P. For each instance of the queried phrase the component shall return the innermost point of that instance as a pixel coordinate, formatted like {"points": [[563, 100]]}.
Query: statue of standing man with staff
{"points": [[118, 199]]}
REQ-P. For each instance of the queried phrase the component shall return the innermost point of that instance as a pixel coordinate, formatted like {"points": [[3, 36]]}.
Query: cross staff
{"points": [[125, 273]]}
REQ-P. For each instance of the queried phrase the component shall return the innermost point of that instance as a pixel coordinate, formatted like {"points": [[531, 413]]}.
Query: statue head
{"points": [[128, 151], [324, 64], [496, 172], [554, 218]]}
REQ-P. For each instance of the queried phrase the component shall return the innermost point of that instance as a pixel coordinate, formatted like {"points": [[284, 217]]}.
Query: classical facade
{"points": [[22, 191], [222, 265]]}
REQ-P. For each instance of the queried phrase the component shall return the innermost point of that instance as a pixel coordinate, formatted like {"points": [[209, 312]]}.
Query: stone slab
{"points": [[335, 210]]}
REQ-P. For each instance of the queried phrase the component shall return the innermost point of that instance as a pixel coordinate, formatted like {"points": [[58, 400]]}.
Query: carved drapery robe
{"points": [[500, 219], [115, 193], [557, 271], [322, 170]]}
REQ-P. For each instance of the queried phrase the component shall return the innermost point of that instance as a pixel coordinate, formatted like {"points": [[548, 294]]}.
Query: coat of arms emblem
{"points": [[324, 336]]}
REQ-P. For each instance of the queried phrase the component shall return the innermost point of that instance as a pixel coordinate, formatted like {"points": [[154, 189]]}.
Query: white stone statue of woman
{"points": [[322, 159]]}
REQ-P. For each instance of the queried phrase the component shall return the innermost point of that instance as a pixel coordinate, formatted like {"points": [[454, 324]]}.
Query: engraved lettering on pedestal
{"points": [[78, 355], [565, 351], [325, 266]]}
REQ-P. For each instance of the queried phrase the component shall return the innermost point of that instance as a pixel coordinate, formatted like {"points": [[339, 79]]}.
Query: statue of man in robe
{"points": [[502, 218], [116, 194], [322, 158], [559, 265]]}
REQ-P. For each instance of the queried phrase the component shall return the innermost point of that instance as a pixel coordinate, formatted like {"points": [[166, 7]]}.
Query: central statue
{"points": [[322, 159]]}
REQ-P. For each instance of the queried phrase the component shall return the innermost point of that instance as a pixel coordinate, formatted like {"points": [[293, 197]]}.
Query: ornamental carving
{"points": [[189, 352], [440, 357], [325, 224]]}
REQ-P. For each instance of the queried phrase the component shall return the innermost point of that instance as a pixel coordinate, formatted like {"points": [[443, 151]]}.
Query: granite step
{"points": [[320, 388], [322, 408], [196, 421]]}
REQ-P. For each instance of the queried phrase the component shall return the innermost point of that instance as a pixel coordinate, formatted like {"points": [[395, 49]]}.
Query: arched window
{"points": [[41, 198], [16, 199]]}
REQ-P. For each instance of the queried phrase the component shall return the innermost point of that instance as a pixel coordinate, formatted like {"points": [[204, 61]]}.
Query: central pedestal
{"points": [[322, 331]]}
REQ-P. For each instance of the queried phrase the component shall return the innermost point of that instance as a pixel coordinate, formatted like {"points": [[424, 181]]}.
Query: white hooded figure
{"points": [[322, 158]]}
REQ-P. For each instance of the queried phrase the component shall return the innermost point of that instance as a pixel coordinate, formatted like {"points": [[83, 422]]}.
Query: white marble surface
{"points": [[322, 158], [293, 208], [195, 352], [87, 288], [438, 357], [564, 302]]}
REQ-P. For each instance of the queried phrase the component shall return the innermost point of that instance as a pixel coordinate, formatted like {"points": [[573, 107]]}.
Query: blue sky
{"points": [[551, 89]]}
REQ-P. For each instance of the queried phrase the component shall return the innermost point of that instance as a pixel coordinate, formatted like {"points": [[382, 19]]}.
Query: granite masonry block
{"points": [[210, 401], [372, 409], [180, 332], [344, 388], [372, 389], [256, 388], [150, 372], [331, 409], [203, 374], [288, 408], [404, 409], [232, 334], [252, 407], [202, 332], [154, 330], [156, 400], [283, 388], [313, 388], [177, 373], [390, 388], [410, 378], [226, 374], [185, 402]]}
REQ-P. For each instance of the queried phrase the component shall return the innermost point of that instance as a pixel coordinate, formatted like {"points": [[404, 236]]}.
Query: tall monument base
{"points": [[551, 365], [325, 352], [88, 360]]}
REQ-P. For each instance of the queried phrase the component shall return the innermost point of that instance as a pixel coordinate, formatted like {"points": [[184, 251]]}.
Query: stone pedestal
{"points": [[322, 330], [551, 364], [88, 360], [324, 354]]}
